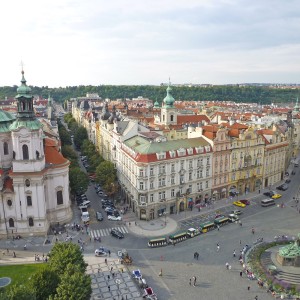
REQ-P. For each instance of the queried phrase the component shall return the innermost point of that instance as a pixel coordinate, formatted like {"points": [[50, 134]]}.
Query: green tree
{"points": [[20, 292], [69, 152], [106, 172], [44, 283], [79, 136], [74, 285], [78, 180], [63, 254]]}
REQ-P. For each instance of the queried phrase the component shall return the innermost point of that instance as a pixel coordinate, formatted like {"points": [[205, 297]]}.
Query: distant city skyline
{"points": [[94, 42]]}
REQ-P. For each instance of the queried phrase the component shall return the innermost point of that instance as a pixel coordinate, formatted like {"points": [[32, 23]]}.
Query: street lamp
{"points": [[165, 214]]}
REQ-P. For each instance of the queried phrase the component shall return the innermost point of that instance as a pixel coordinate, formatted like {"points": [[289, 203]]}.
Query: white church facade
{"points": [[34, 178]]}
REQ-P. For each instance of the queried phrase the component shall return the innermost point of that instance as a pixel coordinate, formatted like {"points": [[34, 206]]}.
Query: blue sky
{"points": [[93, 42]]}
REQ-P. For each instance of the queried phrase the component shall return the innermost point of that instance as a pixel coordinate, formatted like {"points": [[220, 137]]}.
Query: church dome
{"points": [[169, 100], [23, 90], [156, 104], [5, 120]]}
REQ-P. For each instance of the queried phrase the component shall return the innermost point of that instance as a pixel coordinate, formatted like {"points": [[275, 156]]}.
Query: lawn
{"points": [[20, 274]]}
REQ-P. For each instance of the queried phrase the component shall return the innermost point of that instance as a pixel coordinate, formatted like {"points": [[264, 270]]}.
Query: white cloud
{"points": [[72, 42]]}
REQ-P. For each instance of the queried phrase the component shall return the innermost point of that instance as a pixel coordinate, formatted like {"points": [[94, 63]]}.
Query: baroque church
{"points": [[34, 176]]}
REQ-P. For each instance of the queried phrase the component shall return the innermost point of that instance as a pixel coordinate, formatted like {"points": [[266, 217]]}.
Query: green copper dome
{"points": [[5, 121], [23, 90], [156, 104], [30, 124], [169, 100]]}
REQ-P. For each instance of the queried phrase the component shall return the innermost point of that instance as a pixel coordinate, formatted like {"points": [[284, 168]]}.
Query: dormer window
{"points": [[161, 155]]}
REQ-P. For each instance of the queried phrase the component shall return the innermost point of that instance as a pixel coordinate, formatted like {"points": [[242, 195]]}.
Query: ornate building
{"points": [[33, 174]]}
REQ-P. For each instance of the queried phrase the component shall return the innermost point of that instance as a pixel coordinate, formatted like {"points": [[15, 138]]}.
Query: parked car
{"points": [[86, 203], [283, 187], [276, 196], [269, 193], [247, 202], [114, 218], [236, 212], [109, 210], [105, 205], [99, 216], [117, 233], [238, 203], [288, 180]]}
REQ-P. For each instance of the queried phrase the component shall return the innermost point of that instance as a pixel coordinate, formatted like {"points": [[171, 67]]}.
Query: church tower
{"points": [[168, 110], [27, 134]]}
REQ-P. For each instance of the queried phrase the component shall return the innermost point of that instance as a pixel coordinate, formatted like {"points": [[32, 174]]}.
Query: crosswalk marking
{"points": [[106, 231]]}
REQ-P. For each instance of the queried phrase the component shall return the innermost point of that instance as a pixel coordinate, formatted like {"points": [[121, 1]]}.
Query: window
{"points": [[151, 185], [29, 201], [151, 171], [161, 181], [162, 169], [25, 152], [206, 184], [59, 197], [5, 148], [9, 202], [208, 161], [151, 197], [11, 222], [173, 180], [162, 195], [198, 173], [171, 118], [141, 185], [190, 164], [190, 176], [181, 179], [207, 172], [172, 193], [182, 164], [30, 222], [141, 172], [190, 188], [172, 168]]}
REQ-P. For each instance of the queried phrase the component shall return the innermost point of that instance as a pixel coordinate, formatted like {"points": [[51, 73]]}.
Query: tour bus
{"points": [[177, 237], [221, 221], [207, 226], [159, 242], [267, 202]]}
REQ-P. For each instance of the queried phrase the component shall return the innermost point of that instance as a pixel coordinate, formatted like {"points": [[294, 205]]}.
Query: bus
{"points": [[267, 202], [159, 242], [221, 221], [177, 237], [207, 226]]}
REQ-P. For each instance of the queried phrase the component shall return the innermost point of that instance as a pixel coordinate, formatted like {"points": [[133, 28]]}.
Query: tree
{"points": [[80, 135], [44, 283], [65, 136], [63, 254], [20, 292], [74, 285], [106, 172], [69, 152], [78, 180]]}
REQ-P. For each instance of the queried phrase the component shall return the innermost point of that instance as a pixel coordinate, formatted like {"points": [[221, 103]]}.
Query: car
{"points": [[282, 187], [99, 216], [108, 204], [238, 203], [100, 252], [288, 180], [236, 212], [86, 203], [276, 196], [117, 233], [269, 193], [114, 218], [82, 206], [109, 208], [247, 202], [218, 216]]}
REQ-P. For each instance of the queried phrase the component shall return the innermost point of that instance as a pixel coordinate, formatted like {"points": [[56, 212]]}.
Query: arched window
{"points": [[27, 182], [29, 201], [25, 152], [59, 197], [30, 222], [37, 153], [5, 148], [11, 222], [172, 118]]}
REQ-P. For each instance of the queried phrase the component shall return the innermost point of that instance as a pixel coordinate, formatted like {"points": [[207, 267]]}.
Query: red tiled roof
{"points": [[182, 119], [52, 155]]}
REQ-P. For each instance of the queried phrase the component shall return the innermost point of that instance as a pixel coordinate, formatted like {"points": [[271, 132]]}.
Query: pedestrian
{"points": [[240, 242], [109, 288], [195, 279], [234, 255], [259, 191], [109, 253], [256, 297], [105, 260], [227, 265], [111, 268], [218, 247], [218, 226], [248, 288], [108, 277], [190, 281], [14, 254], [253, 231], [160, 273], [241, 274]]}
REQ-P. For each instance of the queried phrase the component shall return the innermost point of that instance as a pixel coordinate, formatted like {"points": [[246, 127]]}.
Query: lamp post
{"points": [[165, 214]]}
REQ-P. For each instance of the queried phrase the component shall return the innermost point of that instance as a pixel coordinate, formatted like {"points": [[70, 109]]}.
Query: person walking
{"points": [[195, 279], [253, 231], [248, 288], [234, 255], [241, 274], [218, 247], [227, 266], [190, 281]]}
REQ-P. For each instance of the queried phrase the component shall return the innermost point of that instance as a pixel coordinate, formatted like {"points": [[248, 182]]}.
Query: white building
{"points": [[34, 176]]}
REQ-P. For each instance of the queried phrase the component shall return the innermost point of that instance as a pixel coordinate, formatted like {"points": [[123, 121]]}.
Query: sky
{"points": [[93, 42]]}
